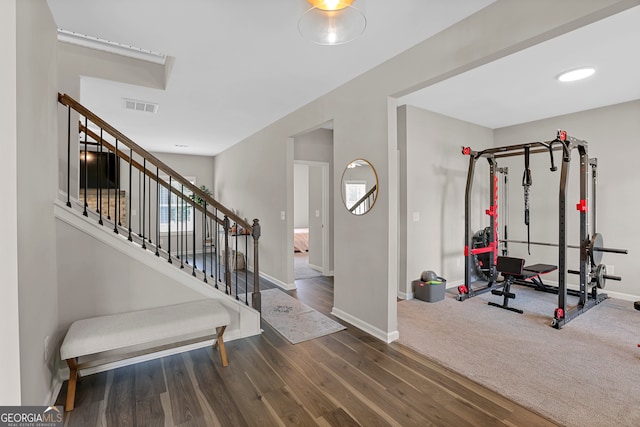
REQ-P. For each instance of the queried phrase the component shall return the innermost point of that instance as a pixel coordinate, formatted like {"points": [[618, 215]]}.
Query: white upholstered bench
{"points": [[106, 339]]}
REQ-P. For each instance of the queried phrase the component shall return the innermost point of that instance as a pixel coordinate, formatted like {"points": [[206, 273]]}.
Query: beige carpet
{"points": [[294, 320], [586, 374]]}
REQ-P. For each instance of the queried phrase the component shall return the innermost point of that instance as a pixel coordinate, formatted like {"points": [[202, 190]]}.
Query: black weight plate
{"points": [[596, 242]]}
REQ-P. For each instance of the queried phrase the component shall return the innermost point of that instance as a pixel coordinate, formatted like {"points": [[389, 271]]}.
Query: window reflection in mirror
{"points": [[359, 187]]}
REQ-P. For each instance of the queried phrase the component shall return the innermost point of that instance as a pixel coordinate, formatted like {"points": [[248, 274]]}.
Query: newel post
{"points": [[256, 301]]}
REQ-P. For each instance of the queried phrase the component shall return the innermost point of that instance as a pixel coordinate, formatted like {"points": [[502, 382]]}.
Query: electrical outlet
{"points": [[282, 215], [134, 212], [317, 213], [610, 270], [416, 216]]}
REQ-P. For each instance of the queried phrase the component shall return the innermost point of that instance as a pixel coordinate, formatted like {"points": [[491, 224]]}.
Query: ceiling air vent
{"points": [[148, 107]]}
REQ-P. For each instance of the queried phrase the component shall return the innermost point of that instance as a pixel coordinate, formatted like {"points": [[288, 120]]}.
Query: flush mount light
{"points": [[331, 4], [574, 75], [332, 22]]}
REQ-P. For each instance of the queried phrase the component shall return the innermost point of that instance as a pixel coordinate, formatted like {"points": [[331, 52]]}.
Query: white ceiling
{"points": [[241, 65], [523, 87]]}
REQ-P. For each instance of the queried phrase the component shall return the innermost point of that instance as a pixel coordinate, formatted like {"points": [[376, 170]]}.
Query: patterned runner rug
{"points": [[296, 321]]}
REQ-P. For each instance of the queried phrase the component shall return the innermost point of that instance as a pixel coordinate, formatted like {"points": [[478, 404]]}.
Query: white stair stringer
{"points": [[245, 321]]}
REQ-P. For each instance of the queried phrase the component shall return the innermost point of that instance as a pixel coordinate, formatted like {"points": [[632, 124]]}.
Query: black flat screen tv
{"points": [[100, 170]]}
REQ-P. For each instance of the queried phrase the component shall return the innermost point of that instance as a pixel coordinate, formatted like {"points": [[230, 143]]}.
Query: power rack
{"points": [[592, 274]]}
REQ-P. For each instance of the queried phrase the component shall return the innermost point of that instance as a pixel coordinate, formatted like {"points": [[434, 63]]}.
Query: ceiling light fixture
{"points": [[574, 75], [332, 22]]}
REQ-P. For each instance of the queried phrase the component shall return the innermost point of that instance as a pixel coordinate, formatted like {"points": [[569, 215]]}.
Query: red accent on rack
{"points": [[582, 206], [562, 135]]}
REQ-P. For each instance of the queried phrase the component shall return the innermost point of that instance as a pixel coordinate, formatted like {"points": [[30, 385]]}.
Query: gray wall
{"points": [[96, 279], [434, 174], [9, 313], [75, 62], [612, 133], [36, 90], [365, 123]]}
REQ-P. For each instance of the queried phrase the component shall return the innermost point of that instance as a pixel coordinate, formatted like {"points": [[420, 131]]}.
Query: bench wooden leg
{"points": [[220, 343], [71, 389]]}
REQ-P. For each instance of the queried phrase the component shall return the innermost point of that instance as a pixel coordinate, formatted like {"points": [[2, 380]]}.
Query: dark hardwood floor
{"points": [[345, 379]]}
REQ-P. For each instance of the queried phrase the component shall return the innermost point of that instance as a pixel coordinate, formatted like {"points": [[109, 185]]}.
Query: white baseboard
{"points": [[405, 295], [55, 389], [278, 283], [454, 283], [315, 267], [370, 329], [622, 296]]}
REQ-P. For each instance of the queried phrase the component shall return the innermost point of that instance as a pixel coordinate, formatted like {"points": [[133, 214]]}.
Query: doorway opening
{"points": [[312, 204]]}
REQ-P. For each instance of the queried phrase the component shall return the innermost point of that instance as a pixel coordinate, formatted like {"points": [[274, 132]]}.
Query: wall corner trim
{"points": [[368, 328]]}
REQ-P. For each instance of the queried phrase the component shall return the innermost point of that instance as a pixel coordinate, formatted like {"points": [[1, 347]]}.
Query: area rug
{"points": [[296, 321], [585, 374]]}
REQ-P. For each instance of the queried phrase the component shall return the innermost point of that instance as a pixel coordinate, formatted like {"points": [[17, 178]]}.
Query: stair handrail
{"points": [[357, 204], [253, 230], [148, 172], [65, 99]]}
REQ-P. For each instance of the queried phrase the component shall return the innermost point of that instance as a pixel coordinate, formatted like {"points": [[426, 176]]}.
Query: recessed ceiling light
{"points": [[181, 145], [579, 74]]}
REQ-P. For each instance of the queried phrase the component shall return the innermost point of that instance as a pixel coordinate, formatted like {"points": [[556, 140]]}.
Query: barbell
{"points": [[599, 276], [594, 247]]}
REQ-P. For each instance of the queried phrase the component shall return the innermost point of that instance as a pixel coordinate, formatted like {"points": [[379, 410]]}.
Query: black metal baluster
{"points": [[157, 212], [181, 250], [227, 273], [246, 270], [235, 257], [144, 188], [100, 178], [217, 263], [204, 240], [149, 235], [68, 156], [193, 238], [86, 174], [212, 248], [139, 203], [185, 236], [169, 219], [117, 214], [108, 185], [99, 193], [130, 178]]}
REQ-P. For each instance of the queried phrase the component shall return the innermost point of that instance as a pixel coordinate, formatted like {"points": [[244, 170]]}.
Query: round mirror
{"points": [[359, 187]]}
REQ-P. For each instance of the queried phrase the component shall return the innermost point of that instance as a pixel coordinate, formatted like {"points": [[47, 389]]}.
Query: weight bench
{"points": [[533, 272], [106, 339], [513, 270]]}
